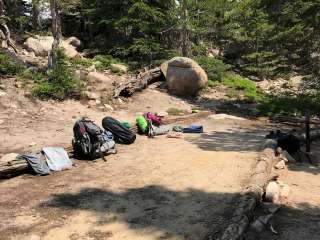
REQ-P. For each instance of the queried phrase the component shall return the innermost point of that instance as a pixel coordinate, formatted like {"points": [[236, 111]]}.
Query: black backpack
{"points": [[120, 133], [88, 140]]}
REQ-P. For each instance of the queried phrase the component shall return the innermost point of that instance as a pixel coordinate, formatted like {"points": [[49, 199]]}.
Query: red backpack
{"points": [[153, 118]]}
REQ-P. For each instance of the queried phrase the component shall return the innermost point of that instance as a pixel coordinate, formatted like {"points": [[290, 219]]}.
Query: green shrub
{"points": [[60, 82], [26, 76], [238, 84], [8, 67], [85, 62], [103, 62], [214, 68], [290, 105]]}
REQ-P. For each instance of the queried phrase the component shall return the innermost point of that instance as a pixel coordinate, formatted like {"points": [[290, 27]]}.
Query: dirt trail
{"points": [[157, 188]]}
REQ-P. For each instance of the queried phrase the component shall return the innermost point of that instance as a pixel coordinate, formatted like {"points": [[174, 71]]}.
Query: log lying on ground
{"points": [[13, 168], [132, 85], [253, 195]]}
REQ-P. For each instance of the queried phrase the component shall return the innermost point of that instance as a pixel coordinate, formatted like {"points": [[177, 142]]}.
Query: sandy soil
{"points": [[300, 217], [157, 188]]}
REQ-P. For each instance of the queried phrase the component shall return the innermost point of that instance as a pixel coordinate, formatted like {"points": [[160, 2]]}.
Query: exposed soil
{"points": [[300, 217], [157, 188]]}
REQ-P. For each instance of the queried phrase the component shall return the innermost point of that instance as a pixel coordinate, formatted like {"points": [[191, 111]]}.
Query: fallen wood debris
{"points": [[132, 85], [13, 168], [253, 195]]}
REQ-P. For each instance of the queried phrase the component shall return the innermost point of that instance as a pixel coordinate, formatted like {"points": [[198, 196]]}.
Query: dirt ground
{"points": [[157, 188], [300, 217]]}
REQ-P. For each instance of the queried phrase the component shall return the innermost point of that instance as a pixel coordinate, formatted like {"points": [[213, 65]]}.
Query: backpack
{"points": [[142, 124], [120, 133], [153, 118], [88, 141]]}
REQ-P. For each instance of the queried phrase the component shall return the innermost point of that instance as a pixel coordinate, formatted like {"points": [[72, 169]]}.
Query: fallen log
{"points": [[243, 215], [132, 85], [13, 168]]}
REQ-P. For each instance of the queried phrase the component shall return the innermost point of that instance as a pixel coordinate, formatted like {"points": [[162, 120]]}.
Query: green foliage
{"points": [[26, 76], [241, 86], [103, 62], [8, 66], [290, 105], [214, 68], [84, 62], [60, 82]]}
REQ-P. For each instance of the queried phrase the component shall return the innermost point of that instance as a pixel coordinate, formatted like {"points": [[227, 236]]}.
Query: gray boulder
{"points": [[185, 77], [42, 45]]}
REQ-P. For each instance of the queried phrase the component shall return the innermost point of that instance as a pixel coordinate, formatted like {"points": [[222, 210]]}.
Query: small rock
{"points": [[80, 74], [91, 95], [280, 165], [32, 144], [273, 192], [284, 192], [120, 100], [98, 101], [1, 122], [9, 157], [287, 157], [118, 68], [3, 94], [14, 106], [163, 114], [33, 69], [32, 54], [92, 103], [108, 107], [35, 237]]}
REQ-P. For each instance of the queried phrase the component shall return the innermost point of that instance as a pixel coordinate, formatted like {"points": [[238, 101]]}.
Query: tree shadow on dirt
{"points": [[295, 223], [304, 167], [152, 209], [231, 140]]}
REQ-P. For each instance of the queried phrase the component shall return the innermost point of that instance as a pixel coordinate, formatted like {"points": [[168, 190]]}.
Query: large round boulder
{"points": [[184, 76], [42, 45]]}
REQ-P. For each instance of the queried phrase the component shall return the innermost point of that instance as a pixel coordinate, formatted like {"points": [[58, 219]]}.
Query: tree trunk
{"points": [[184, 30], [4, 27], [36, 15], [56, 31]]}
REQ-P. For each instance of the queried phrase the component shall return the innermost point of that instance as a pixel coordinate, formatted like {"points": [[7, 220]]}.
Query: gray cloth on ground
{"points": [[37, 162], [57, 158]]}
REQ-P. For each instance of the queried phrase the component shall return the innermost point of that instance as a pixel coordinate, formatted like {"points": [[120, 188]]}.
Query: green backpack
{"points": [[142, 124]]}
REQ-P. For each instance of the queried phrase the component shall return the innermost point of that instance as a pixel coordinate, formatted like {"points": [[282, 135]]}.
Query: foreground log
{"points": [[13, 168], [243, 215], [143, 80]]}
